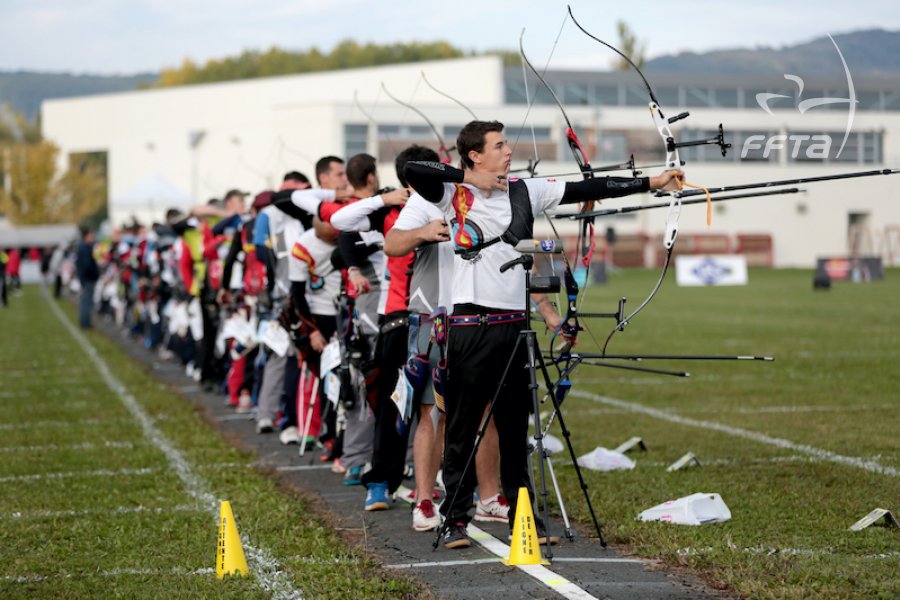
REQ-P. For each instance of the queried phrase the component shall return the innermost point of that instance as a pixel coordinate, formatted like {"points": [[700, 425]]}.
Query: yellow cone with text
{"points": [[230, 559], [524, 548]]}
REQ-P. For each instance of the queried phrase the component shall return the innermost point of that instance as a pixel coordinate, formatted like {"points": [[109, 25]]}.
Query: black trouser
{"points": [[477, 357], [389, 446], [210, 367]]}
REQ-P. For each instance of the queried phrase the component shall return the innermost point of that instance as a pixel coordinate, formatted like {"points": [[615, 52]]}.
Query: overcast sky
{"points": [[130, 36]]}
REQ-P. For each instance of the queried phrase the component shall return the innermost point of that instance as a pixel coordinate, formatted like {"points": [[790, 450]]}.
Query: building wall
{"points": [[256, 130]]}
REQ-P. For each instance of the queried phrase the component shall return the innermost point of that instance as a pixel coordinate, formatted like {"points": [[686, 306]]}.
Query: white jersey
{"points": [[310, 263], [429, 286], [475, 218]]}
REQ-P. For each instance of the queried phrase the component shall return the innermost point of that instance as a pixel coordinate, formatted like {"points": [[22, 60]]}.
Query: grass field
{"points": [[832, 392], [798, 448], [90, 507]]}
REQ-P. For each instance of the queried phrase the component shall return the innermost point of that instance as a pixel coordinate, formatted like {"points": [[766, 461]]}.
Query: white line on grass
{"points": [[868, 465], [73, 422], [54, 403], [177, 572], [268, 571], [121, 510], [554, 581], [113, 473], [94, 473], [81, 446]]}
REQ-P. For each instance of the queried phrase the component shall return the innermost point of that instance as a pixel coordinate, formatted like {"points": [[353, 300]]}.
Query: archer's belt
{"points": [[394, 323], [496, 319]]}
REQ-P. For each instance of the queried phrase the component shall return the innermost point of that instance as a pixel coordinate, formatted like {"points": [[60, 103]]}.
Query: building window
{"points": [[606, 95], [522, 144], [356, 139]]}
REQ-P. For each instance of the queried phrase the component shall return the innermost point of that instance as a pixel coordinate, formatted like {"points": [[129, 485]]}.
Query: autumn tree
{"points": [[31, 190]]}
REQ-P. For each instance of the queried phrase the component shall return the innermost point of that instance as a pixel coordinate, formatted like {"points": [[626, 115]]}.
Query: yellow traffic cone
{"points": [[524, 548], [230, 559]]}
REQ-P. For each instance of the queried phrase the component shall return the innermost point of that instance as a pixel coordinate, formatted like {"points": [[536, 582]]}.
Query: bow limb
{"points": [[449, 97], [581, 159], [372, 121], [443, 150]]}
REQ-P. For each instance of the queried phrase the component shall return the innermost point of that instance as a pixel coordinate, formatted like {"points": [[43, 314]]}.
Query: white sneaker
{"points": [[439, 481], [497, 510], [405, 494], [264, 426], [290, 436], [425, 516]]}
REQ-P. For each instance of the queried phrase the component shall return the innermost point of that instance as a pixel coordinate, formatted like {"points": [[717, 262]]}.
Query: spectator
{"points": [[88, 274]]}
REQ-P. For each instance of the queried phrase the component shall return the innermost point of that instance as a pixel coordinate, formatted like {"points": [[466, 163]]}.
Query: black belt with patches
{"points": [[394, 324], [496, 319]]}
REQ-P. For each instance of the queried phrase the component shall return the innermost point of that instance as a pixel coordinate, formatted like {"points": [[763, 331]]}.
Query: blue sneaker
{"points": [[377, 498], [353, 476]]}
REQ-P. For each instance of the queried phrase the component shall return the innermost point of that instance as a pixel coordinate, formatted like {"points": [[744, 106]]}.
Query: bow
{"points": [[570, 325], [443, 150], [673, 162]]}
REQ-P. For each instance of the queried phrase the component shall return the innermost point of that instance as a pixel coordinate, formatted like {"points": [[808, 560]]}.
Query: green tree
{"points": [[348, 54], [630, 47], [33, 192]]}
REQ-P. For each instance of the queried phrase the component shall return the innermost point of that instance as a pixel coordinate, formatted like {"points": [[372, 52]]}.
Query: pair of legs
{"points": [[478, 356]]}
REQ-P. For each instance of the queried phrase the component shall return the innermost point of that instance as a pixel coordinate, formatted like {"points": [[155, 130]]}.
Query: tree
{"points": [[33, 194], [631, 47], [275, 61]]}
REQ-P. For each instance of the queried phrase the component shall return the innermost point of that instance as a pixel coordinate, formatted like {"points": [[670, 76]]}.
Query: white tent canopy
{"points": [[148, 200]]}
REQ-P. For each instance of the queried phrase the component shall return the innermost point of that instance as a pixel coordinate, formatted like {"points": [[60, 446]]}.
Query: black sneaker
{"points": [[456, 536]]}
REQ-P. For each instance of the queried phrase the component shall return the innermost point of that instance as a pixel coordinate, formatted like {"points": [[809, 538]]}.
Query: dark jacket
{"points": [[85, 265]]}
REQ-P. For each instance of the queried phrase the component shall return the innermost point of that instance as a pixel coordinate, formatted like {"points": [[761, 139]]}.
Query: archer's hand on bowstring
{"points": [[484, 180], [668, 181], [395, 197]]}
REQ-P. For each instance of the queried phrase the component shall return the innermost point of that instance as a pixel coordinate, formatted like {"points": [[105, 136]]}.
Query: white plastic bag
{"points": [[602, 459], [696, 509]]}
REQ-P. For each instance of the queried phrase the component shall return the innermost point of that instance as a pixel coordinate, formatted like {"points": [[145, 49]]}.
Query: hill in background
{"points": [[874, 52], [25, 90]]}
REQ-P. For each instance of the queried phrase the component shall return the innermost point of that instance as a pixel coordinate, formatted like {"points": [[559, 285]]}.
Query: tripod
{"points": [[535, 361]]}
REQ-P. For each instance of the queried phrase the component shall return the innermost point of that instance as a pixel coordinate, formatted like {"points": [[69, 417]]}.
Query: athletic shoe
{"points": [[338, 466], [409, 471], [377, 496], [244, 404], [439, 481], [497, 510], [353, 476], [425, 518], [456, 537], [264, 425], [405, 494], [290, 435], [328, 451]]}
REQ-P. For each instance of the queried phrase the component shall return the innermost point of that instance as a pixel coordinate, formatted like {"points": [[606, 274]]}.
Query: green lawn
{"points": [[834, 387], [126, 526], [90, 507]]}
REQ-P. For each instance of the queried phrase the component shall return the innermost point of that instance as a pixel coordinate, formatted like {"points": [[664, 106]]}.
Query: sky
{"points": [[131, 36]]}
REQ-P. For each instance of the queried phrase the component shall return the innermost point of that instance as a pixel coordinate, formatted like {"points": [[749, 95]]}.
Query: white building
{"points": [[206, 139]]}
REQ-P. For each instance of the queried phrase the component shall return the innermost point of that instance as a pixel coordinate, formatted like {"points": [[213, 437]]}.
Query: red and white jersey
{"points": [[310, 262], [476, 218]]}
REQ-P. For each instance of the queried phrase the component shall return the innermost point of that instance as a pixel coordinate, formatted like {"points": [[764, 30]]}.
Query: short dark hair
{"points": [[359, 167], [471, 137], [323, 165], [295, 176], [414, 153]]}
